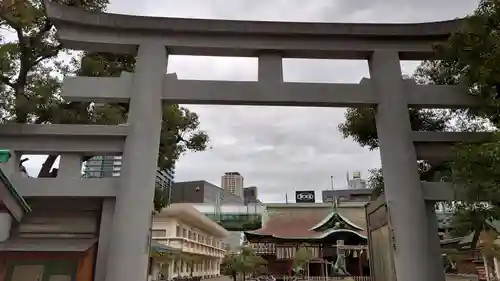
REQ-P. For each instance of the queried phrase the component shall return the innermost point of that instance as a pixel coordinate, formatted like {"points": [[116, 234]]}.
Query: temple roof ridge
{"points": [[325, 234], [332, 215]]}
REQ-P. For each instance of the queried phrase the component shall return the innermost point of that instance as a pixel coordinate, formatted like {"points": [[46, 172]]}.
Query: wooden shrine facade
{"points": [[330, 234]]}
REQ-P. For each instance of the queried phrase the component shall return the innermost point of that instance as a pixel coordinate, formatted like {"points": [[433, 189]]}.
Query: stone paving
{"points": [[219, 278]]}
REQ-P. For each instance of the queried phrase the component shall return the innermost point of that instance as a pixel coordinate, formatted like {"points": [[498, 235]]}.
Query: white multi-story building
{"points": [[233, 183], [191, 242]]}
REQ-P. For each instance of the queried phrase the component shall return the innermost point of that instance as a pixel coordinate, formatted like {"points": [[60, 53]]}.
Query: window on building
{"points": [[94, 174], [184, 233], [158, 233], [107, 174], [178, 231]]}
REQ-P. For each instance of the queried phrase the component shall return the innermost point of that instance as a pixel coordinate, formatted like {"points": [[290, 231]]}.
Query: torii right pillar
{"points": [[417, 252]]}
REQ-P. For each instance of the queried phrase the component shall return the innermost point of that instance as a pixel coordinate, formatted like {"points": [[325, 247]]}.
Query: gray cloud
{"points": [[283, 149]]}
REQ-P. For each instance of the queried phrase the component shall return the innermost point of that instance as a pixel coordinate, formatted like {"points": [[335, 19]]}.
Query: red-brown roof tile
{"points": [[298, 222]]}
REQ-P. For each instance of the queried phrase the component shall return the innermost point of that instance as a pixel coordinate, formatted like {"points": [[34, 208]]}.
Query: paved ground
{"points": [[220, 278]]}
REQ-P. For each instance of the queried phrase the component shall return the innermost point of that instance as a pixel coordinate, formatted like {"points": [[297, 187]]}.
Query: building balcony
{"points": [[192, 247]]}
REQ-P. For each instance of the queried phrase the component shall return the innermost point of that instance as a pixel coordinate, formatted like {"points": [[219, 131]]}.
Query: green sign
{"points": [[4, 155]]}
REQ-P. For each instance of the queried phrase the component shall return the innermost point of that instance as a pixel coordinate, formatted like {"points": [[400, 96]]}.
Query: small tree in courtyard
{"points": [[243, 263], [301, 261]]}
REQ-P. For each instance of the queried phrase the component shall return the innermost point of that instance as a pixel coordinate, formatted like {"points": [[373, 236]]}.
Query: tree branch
{"points": [[16, 27], [47, 55], [36, 39], [47, 26], [46, 166], [6, 81]]}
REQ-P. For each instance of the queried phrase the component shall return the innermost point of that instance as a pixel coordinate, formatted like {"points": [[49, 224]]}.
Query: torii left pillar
{"points": [[129, 248]]}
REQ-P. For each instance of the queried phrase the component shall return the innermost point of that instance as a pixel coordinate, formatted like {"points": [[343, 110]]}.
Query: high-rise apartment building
{"points": [[202, 192], [103, 167], [110, 166], [165, 178], [233, 183], [356, 182], [250, 194]]}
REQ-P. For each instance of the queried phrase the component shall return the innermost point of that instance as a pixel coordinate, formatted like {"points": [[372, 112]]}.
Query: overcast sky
{"points": [[281, 149]]}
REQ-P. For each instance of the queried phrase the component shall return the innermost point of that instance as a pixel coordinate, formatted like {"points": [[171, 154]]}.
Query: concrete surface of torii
{"points": [[417, 255]]}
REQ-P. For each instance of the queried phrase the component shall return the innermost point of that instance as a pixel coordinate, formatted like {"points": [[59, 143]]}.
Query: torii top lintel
{"points": [[98, 31]]}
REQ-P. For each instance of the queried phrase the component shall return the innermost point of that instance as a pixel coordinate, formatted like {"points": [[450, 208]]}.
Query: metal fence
{"points": [[322, 278], [449, 277]]}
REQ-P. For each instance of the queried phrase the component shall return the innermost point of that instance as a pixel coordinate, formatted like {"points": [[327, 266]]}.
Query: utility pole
{"points": [[333, 190]]}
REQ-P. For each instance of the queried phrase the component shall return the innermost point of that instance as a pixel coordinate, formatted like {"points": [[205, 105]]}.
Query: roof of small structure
{"points": [[468, 239], [47, 245], [191, 216], [312, 223]]}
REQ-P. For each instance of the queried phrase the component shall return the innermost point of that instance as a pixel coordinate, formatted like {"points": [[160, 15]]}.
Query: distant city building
{"points": [[165, 178], [360, 195], [356, 182], [233, 183], [111, 166], [103, 167], [356, 191], [202, 192], [250, 194]]}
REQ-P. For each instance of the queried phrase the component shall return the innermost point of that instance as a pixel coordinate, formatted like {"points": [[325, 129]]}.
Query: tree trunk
{"points": [[20, 103], [233, 274], [47, 165]]}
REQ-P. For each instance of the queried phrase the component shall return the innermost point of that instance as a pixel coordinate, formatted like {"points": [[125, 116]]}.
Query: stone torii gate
{"points": [[124, 255]]}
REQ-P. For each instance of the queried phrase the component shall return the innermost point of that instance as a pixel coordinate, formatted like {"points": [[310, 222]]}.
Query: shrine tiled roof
{"points": [[305, 222]]}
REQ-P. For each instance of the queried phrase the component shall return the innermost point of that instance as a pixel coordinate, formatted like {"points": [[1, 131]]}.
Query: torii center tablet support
{"points": [[383, 45]]}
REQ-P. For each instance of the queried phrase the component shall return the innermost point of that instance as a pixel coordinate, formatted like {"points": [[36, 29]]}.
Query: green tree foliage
{"points": [[301, 260], [243, 263], [361, 126], [376, 182], [30, 72], [427, 173], [470, 57]]}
